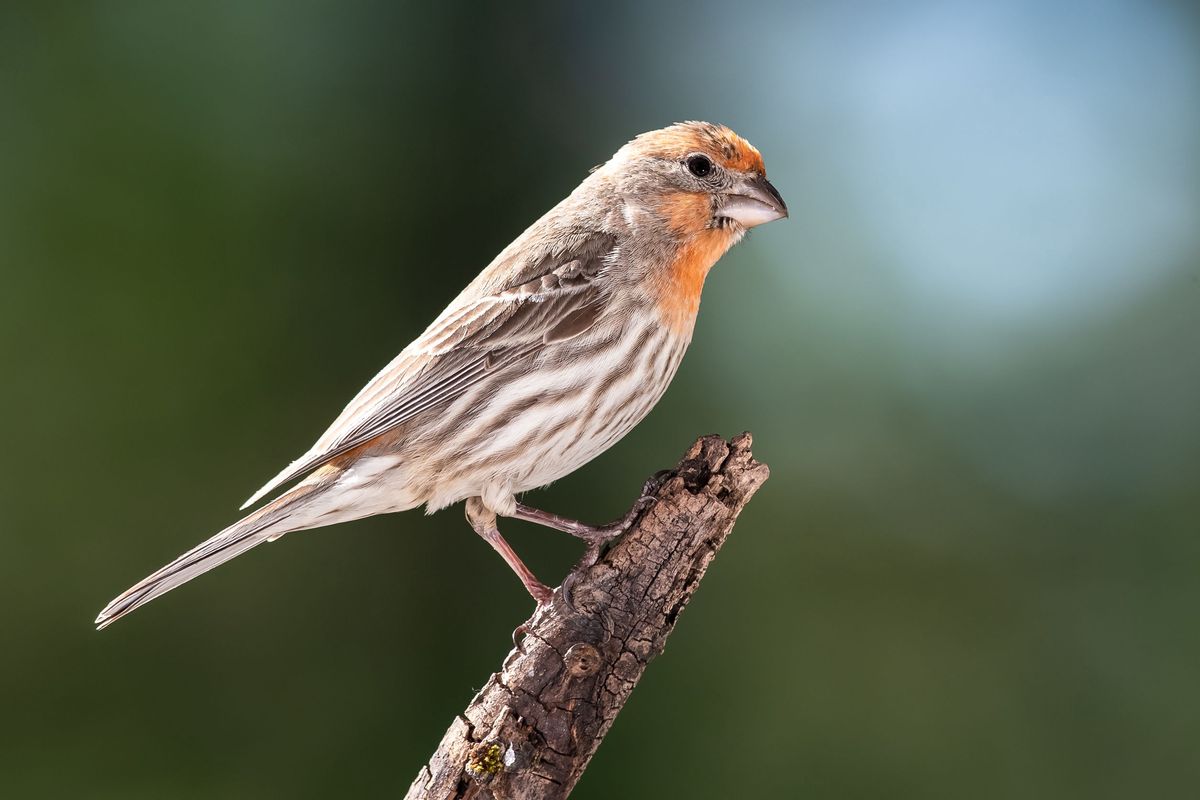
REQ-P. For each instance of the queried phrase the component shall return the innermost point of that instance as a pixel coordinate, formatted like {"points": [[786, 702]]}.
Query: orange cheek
{"points": [[685, 212], [679, 292]]}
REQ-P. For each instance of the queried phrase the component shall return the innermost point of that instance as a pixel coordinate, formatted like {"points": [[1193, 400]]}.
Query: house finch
{"points": [[552, 354]]}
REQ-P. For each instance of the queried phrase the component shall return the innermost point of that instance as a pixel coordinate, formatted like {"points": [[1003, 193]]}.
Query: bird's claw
{"points": [[542, 595], [591, 555], [598, 538], [640, 506], [519, 633]]}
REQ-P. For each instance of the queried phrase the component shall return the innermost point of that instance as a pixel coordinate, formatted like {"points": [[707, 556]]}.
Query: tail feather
{"points": [[265, 524], [290, 472]]}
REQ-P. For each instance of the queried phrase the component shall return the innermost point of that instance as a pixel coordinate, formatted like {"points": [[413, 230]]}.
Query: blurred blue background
{"points": [[970, 358]]}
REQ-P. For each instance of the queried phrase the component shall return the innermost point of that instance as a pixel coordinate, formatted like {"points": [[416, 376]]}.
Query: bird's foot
{"points": [[542, 595], [540, 592], [601, 537], [597, 537]]}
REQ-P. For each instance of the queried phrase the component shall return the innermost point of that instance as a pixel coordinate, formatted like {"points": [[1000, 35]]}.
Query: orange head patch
{"points": [[716, 141]]}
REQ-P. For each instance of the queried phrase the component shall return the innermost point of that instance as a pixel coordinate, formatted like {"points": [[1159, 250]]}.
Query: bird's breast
{"points": [[682, 282]]}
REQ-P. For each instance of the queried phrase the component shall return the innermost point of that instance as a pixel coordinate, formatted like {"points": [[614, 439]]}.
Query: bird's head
{"points": [[698, 176]]}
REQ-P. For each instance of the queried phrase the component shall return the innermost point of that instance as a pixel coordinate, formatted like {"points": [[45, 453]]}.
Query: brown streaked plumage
{"points": [[553, 353]]}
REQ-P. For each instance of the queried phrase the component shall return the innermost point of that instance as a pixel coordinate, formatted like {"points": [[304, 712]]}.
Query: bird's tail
{"points": [[266, 524]]}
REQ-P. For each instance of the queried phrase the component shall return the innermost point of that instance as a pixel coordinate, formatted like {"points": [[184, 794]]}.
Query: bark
{"points": [[531, 731]]}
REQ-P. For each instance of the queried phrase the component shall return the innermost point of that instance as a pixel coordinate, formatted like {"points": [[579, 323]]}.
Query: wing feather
{"points": [[473, 338]]}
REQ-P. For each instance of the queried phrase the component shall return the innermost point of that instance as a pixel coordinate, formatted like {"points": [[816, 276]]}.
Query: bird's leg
{"points": [[595, 535], [590, 533], [483, 520]]}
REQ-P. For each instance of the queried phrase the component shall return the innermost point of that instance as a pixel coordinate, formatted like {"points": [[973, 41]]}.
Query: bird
{"points": [[553, 353]]}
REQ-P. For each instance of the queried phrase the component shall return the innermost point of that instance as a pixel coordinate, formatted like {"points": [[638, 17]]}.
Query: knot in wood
{"points": [[582, 660]]}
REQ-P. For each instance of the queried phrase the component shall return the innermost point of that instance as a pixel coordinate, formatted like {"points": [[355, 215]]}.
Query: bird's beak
{"points": [[752, 202]]}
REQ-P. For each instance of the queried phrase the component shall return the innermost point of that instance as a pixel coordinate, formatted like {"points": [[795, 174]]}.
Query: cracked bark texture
{"points": [[531, 731]]}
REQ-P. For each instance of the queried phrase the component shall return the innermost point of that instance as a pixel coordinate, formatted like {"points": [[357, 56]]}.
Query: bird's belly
{"points": [[582, 439], [548, 421]]}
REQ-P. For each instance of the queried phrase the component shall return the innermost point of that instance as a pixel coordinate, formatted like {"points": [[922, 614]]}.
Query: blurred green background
{"points": [[971, 358]]}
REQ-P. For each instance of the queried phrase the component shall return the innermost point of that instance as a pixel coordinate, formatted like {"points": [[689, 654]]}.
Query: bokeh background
{"points": [[970, 358]]}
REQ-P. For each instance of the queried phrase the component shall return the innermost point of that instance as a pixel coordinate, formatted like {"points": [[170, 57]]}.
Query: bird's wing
{"points": [[551, 301]]}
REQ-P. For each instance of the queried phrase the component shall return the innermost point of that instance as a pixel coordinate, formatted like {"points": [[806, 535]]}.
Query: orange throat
{"points": [[679, 291]]}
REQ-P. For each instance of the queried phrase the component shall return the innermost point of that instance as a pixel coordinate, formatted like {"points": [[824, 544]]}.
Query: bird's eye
{"points": [[699, 165]]}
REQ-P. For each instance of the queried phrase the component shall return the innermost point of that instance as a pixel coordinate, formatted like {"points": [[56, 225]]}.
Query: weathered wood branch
{"points": [[531, 731]]}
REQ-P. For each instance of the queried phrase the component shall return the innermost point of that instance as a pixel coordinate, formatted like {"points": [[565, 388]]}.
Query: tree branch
{"points": [[531, 731]]}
